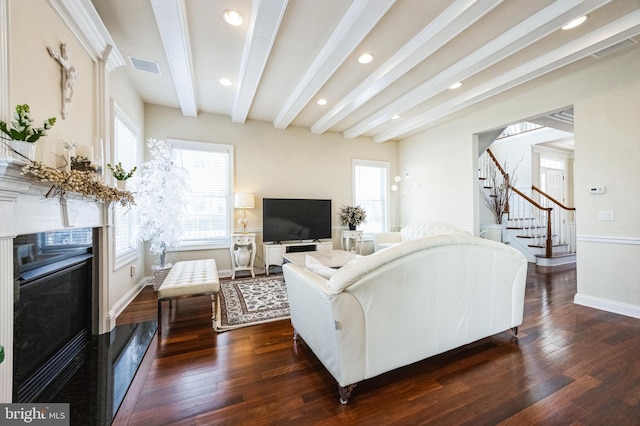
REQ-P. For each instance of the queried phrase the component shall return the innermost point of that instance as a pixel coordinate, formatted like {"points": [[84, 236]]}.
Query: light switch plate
{"points": [[605, 215]]}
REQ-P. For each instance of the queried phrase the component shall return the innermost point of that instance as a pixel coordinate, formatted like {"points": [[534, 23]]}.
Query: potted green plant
{"points": [[20, 137], [352, 216], [120, 174]]}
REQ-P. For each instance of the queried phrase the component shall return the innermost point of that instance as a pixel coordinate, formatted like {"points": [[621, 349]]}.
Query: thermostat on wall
{"points": [[596, 189]]}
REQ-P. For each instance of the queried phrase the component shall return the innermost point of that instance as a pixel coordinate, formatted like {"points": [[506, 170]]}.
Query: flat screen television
{"points": [[295, 219]]}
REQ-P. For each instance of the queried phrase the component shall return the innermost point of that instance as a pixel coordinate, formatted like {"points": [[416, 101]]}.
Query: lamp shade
{"points": [[244, 201]]}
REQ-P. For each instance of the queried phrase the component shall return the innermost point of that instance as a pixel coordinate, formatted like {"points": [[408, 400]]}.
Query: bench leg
{"points": [[159, 319]]}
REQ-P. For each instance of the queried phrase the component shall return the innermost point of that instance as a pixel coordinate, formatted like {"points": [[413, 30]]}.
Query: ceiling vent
{"points": [[146, 66], [614, 48]]}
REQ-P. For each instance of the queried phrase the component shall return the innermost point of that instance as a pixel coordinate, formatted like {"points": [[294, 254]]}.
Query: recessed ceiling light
{"points": [[395, 117], [233, 17], [365, 58], [322, 102], [225, 82], [575, 22], [455, 85]]}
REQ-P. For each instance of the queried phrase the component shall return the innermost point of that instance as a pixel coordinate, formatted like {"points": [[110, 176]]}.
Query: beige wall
{"points": [[35, 77], [122, 94], [606, 97], [289, 163]]}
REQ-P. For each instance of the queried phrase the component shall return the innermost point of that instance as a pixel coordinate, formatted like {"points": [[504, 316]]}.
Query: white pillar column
{"points": [[6, 318]]}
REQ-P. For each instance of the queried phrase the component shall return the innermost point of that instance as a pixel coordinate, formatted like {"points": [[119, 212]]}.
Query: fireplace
{"points": [[52, 309]]}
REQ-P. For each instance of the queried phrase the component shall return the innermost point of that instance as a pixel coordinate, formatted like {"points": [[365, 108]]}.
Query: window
{"points": [[126, 137], [210, 208], [53, 240], [371, 189]]}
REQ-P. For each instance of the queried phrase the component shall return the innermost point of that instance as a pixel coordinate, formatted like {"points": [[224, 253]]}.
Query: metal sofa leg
{"points": [[345, 392]]}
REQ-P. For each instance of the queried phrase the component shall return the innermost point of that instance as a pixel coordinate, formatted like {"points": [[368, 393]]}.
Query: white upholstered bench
{"points": [[188, 279]]}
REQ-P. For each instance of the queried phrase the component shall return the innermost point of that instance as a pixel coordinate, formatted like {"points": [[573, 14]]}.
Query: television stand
{"points": [[274, 252]]}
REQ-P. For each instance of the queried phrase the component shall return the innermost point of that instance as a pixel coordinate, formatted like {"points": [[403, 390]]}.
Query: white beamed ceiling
{"points": [[290, 53]]}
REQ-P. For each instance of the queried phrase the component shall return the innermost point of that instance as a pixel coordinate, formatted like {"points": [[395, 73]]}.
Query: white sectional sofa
{"points": [[383, 240], [406, 303]]}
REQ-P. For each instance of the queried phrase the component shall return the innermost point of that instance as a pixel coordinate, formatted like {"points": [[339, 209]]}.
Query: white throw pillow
{"points": [[314, 265]]}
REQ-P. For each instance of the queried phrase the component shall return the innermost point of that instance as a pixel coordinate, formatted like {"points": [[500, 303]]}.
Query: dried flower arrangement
{"points": [[85, 183]]}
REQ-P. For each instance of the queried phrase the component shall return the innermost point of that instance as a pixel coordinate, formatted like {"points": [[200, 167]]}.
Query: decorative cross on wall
{"points": [[68, 74]]}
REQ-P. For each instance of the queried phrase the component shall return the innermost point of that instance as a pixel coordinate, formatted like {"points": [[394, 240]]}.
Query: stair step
{"points": [[543, 246]]}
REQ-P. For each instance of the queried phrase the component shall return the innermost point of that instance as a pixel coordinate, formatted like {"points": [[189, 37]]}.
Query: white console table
{"points": [[273, 252], [240, 259], [356, 237]]}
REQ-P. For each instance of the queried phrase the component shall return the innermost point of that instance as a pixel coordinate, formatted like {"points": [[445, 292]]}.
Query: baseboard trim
{"points": [[607, 305], [124, 301]]}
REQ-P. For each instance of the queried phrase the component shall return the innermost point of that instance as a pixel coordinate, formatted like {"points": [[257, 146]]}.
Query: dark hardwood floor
{"points": [[570, 365]]}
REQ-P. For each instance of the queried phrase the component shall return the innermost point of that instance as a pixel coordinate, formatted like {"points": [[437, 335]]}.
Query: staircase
{"points": [[539, 226]]}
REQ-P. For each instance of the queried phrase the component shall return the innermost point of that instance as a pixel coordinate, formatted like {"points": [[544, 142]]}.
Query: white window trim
{"points": [[210, 146], [374, 163], [132, 254]]}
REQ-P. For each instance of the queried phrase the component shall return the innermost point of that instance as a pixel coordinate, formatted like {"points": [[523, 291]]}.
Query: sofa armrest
{"points": [[332, 325], [385, 239]]}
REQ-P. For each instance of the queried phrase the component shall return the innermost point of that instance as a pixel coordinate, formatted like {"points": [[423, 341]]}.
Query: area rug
{"points": [[250, 301]]}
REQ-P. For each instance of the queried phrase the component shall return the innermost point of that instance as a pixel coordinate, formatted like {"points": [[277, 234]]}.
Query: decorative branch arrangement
{"points": [[161, 200], [499, 195]]}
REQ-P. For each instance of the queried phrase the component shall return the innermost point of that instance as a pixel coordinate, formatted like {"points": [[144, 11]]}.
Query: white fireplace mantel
{"points": [[25, 209]]}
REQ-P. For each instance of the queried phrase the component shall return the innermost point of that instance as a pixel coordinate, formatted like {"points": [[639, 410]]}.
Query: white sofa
{"points": [[406, 303], [382, 240]]}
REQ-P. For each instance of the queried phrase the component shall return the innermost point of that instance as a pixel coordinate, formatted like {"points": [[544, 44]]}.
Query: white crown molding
{"points": [[85, 23]]}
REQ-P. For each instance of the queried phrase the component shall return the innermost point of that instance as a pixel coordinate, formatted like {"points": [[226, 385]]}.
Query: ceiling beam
{"points": [[359, 20], [517, 38], [455, 19], [601, 38], [171, 17], [266, 16]]}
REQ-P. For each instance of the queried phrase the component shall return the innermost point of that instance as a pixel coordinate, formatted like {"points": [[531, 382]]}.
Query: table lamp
{"points": [[244, 201]]}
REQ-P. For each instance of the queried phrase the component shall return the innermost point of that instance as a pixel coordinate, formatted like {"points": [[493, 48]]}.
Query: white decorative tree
{"points": [[161, 200]]}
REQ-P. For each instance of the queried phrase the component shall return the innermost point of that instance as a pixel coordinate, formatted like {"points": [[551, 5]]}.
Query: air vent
{"points": [[618, 46], [146, 66]]}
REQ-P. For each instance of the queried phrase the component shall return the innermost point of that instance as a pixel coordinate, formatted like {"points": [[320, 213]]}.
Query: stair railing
{"points": [[564, 227], [523, 211]]}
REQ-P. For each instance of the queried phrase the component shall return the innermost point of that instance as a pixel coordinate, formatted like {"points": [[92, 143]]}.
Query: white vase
{"points": [[121, 184], [493, 232], [23, 150], [243, 256]]}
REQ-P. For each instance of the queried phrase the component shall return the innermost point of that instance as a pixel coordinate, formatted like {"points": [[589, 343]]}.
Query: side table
{"points": [[243, 253], [355, 236]]}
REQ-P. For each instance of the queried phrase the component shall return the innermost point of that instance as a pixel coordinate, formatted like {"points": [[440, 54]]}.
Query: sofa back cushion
{"points": [[430, 229], [360, 267]]}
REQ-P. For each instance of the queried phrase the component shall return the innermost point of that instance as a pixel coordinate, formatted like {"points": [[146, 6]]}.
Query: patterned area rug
{"points": [[250, 301]]}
